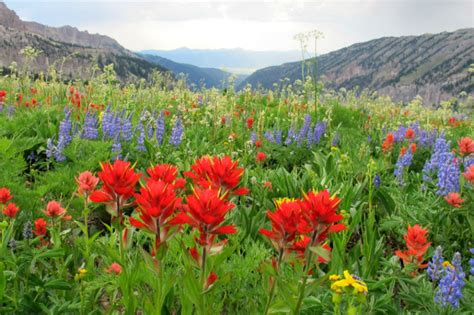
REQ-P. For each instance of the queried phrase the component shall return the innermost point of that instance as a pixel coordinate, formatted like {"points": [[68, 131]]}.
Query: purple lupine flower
{"points": [[10, 111], [253, 137], [117, 126], [127, 128], [369, 138], [278, 136], [141, 137], [65, 128], [149, 130], [302, 134], [335, 140], [468, 162], [399, 134], [402, 162], [290, 136], [176, 133], [107, 124], [269, 136], [319, 130], [377, 181], [448, 174], [450, 286], [116, 148], [50, 148], [435, 266], [160, 128], [441, 147], [89, 129]]}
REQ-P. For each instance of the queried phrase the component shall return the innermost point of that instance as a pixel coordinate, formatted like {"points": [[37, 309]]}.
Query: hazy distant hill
{"points": [[56, 43], [209, 77], [233, 60], [433, 66]]}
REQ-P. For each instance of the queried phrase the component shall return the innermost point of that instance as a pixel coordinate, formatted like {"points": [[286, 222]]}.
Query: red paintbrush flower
{"points": [[11, 210], [250, 122], [409, 134], [300, 248], [287, 225], [417, 246], [119, 181], [115, 268], [86, 183], [261, 156], [320, 210], [258, 143], [388, 142], [166, 173], [157, 202], [210, 280], [466, 146], [5, 195], [469, 174], [205, 211], [454, 199], [217, 173], [40, 227], [54, 209]]}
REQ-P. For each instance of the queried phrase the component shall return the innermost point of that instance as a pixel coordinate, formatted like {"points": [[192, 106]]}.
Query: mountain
{"points": [[434, 66], [208, 77], [234, 60], [74, 51]]}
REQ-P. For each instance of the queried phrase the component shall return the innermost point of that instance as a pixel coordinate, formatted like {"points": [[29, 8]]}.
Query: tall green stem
{"points": [[273, 285], [309, 256]]}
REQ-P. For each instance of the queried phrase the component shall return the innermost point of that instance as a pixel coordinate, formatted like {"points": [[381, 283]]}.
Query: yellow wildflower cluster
{"points": [[348, 281], [280, 201], [81, 273]]}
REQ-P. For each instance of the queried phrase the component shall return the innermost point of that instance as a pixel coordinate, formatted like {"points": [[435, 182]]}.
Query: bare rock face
{"points": [[433, 66], [75, 50]]}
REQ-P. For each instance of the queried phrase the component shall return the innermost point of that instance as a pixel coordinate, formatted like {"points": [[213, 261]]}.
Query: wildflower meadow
{"points": [[153, 198]]}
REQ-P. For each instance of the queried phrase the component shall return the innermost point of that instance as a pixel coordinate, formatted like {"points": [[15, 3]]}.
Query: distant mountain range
{"points": [[233, 60], [434, 66], [197, 76]]}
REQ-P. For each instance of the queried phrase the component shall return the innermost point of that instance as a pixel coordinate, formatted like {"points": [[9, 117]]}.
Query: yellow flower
{"points": [[447, 264], [349, 280], [101, 116], [334, 277], [81, 273]]}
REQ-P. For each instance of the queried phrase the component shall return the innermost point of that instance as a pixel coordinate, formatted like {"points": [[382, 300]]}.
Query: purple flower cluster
{"points": [[127, 128], [377, 181], [451, 284], [64, 138], [435, 266], [176, 133], [160, 128], [471, 261], [424, 138], [89, 129], [402, 162], [141, 137]]}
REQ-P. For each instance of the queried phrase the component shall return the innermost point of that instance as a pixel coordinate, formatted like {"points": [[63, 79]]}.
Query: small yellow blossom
{"points": [[334, 277], [349, 280], [280, 201], [447, 264]]}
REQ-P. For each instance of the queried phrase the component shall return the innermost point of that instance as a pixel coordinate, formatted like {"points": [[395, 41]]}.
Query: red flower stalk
{"points": [[157, 202], [5, 195], [54, 210], [469, 174], [40, 227], [210, 280], [466, 146], [288, 224], [409, 134], [300, 248], [250, 122], [320, 210], [205, 211], [417, 246], [86, 183], [388, 142], [11, 210], [115, 268], [217, 173], [166, 173], [119, 181], [454, 199], [261, 156], [258, 143]]}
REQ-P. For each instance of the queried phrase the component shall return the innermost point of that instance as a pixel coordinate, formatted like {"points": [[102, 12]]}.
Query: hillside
{"points": [[208, 77], [80, 49], [433, 66]]}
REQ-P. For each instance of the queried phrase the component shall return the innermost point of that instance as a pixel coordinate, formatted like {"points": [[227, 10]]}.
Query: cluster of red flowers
{"points": [[3, 95], [8, 208], [387, 145], [417, 246], [302, 223], [160, 209]]}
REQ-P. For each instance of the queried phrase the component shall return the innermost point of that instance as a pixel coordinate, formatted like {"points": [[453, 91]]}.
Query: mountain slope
{"points": [[235, 60], [432, 66], [80, 50], [198, 76]]}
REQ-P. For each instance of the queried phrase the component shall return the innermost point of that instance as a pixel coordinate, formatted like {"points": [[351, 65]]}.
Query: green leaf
{"points": [[321, 252], [57, 284]]}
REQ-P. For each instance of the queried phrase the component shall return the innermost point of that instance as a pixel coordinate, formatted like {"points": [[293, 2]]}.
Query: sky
{"points": [[253, 25]]}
